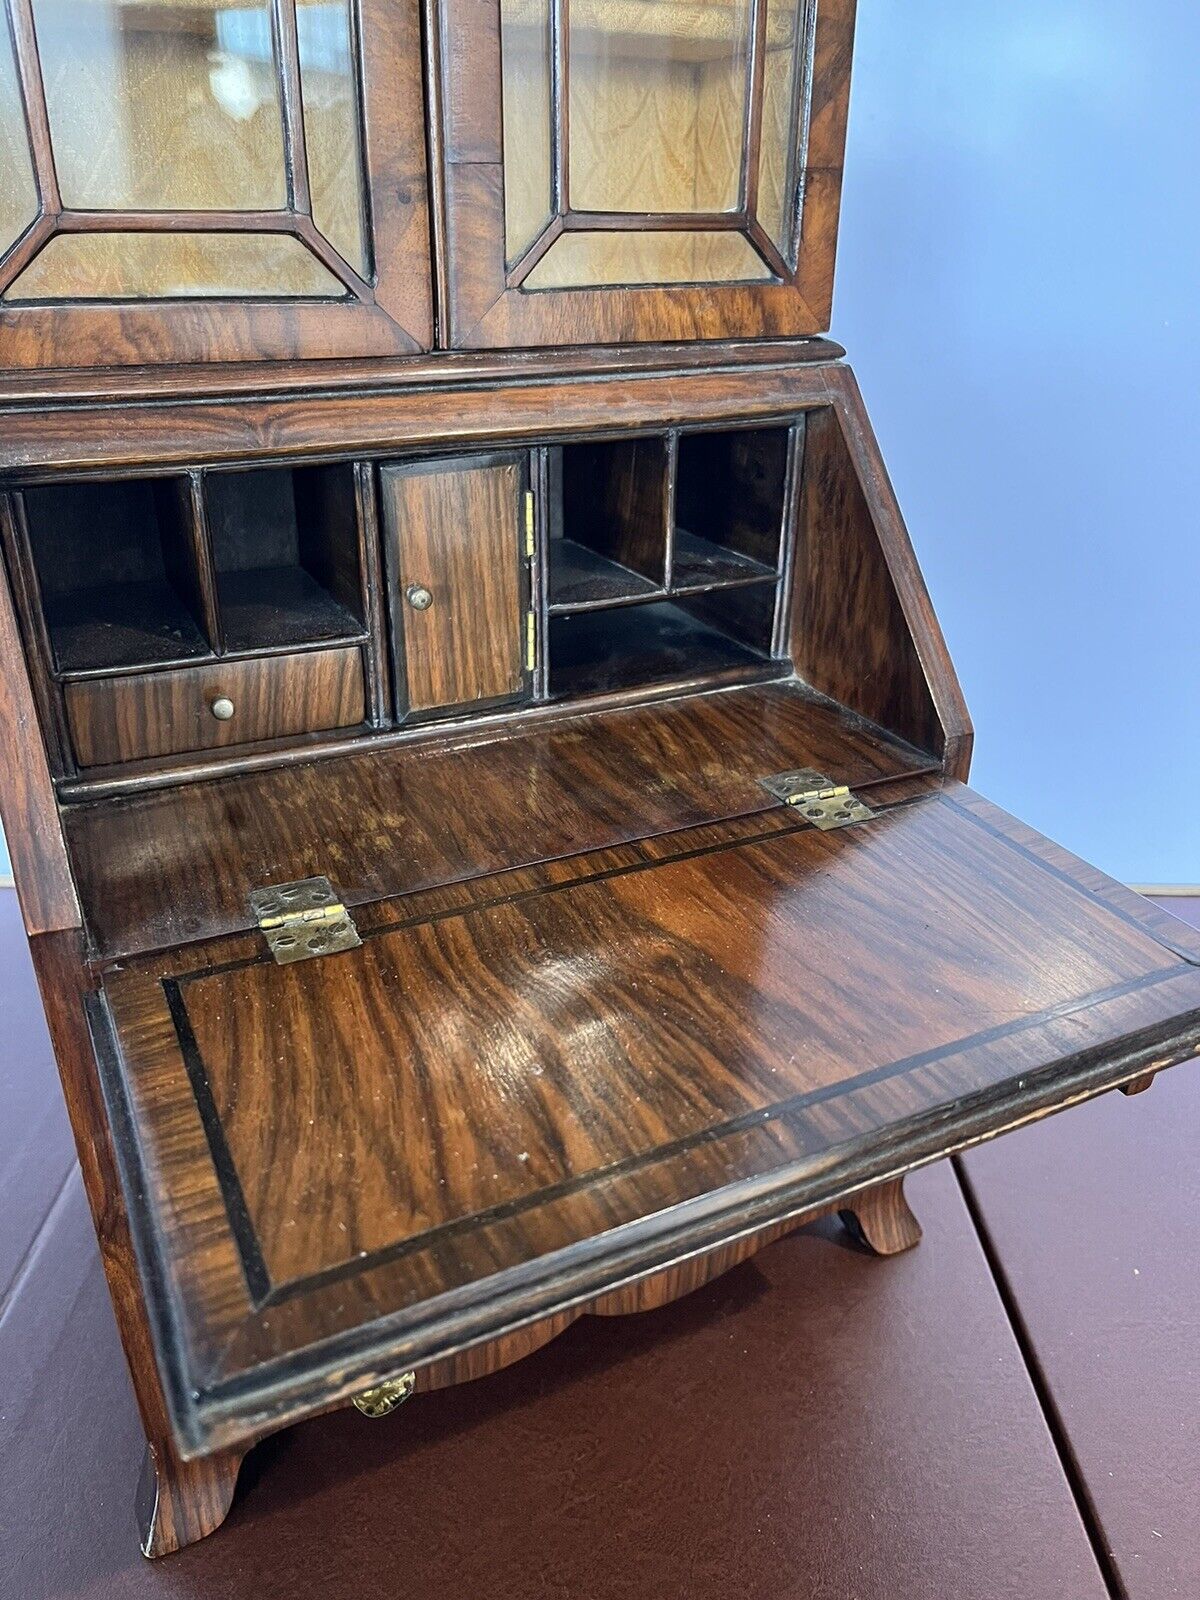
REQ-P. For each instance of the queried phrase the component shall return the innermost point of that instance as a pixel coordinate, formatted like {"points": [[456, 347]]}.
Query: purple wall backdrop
{"points": [[1018, 289]]}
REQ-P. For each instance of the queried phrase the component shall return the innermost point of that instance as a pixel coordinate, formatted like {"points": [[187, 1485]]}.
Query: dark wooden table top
{"points": [[1011, 1412]]}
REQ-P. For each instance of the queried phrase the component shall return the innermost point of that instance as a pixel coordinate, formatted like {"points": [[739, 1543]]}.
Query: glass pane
{"points": [[160, 106], [525, 50], [329, 87], [18, 191], [782, 115], [657, 104], [581, 260], [150, 266]]}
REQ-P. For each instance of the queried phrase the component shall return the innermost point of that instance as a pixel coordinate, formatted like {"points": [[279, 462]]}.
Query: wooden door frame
{"points": [[485, 309], [388, 313]]}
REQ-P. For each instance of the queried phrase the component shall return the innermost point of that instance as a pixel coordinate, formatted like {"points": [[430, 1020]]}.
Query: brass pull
{"points": [[222, 708], [418, 597], [383, 1399]]}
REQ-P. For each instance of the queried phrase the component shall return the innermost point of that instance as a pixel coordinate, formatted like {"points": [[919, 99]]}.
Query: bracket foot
{"points": [[881, 1220], [178, 1501]]}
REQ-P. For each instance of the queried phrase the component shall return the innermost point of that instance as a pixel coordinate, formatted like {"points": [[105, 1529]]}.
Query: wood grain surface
{"points": [[618, 1019], [511, 1103], [179, 1502], [893, 657], [229, 379], [487, 309], [166, 713], [614, 501], [455, 529], [66, 988], [880, 1219], [533, 401], [390, 314], [391, 821], [197, 331], [32, 827], [850, 637]]}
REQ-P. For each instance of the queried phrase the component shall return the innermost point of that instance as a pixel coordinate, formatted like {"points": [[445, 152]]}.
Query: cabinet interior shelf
{"points": [[664, 556], [660, 641], [701, 564], [661, 562], [150, 573], [265, 608], [104, 627], [284, 549], [581, 578]]}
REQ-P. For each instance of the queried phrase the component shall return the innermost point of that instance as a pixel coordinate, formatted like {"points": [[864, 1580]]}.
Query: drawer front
{"points": [[171, 713]]}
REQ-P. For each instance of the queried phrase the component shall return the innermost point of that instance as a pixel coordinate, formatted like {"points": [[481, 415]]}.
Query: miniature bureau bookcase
{"points": [[484, 780]]}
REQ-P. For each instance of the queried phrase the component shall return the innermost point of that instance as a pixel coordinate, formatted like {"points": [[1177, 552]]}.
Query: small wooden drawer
{"points": [[208, 707]]}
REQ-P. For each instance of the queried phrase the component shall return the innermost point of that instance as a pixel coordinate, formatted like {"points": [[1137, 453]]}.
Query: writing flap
{"points": [[522, 1089]]}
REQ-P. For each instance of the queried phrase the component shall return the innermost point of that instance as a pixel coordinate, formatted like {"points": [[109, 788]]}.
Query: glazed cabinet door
{"points": [[205, 180], [519, 1092], [459, 581], [641, 169]]}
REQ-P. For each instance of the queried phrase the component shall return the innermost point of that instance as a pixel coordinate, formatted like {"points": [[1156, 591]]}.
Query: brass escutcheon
{"points": [[383, 1399]]}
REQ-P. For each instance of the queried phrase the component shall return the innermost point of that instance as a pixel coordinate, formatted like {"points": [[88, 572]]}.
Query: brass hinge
{"points": [[530, 641], [529, 524], [818, 799], [303, 920]]}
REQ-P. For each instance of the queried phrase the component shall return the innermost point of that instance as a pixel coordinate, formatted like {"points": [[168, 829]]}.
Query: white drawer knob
{"points": [[222, 708]]}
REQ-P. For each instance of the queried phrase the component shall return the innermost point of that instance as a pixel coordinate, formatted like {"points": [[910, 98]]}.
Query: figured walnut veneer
{"points": [[165, 713], [618, 1016], [94, 316], [495, 1107], [392, 821], [468, 645], [643, 117]]}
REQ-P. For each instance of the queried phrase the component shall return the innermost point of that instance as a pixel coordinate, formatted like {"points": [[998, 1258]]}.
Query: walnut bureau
{"points": [[485, 784]]}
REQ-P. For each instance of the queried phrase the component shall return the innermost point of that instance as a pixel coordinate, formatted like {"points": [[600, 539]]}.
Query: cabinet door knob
{"points": [[418, 597], [222, 708]]}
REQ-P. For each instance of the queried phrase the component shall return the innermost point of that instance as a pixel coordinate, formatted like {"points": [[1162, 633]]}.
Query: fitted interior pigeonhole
{"points": [[117, 573], [665, 556], [285, 554]]}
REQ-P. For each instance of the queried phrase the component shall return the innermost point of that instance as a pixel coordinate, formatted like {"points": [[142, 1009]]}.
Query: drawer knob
{"points": [[418, 597], [222, 708]]}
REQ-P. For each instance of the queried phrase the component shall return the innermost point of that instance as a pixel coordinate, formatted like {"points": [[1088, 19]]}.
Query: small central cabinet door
{"points": [[458, 580]]}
